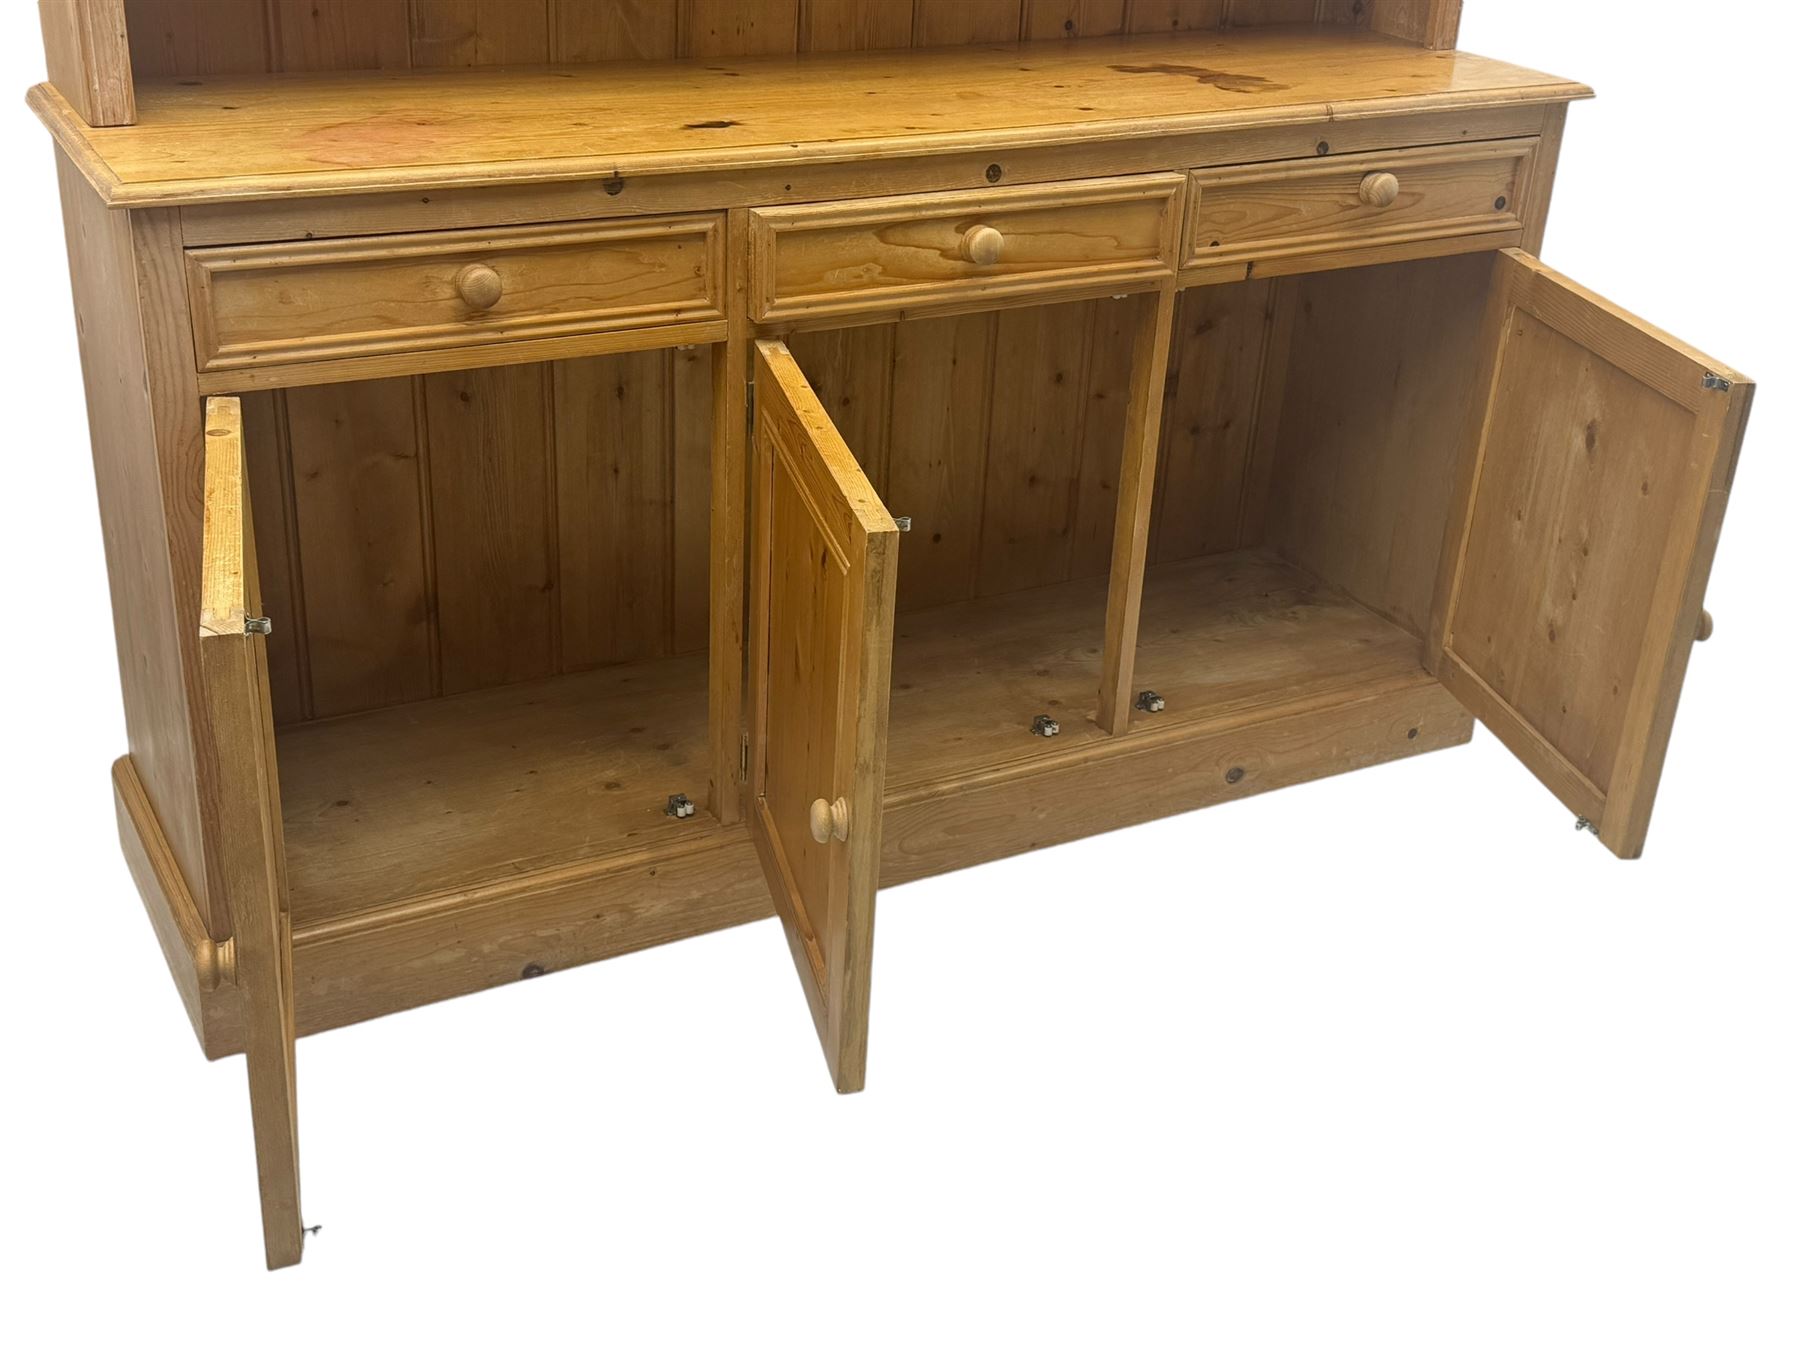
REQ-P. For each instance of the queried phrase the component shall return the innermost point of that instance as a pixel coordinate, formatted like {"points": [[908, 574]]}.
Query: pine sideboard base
{"points": [[387, 960]]}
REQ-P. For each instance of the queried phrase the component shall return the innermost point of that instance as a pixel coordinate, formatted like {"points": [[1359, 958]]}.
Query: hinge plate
{"points": [[744, 759], [1712, 381]]}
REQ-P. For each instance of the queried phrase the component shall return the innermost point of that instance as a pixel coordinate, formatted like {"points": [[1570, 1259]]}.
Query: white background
{"points": [[1396, 1060]]}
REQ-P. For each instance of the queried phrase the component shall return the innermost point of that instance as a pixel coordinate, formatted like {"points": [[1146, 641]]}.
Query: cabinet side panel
{"points": [[1383, 361], [86, 55], [147, 616]]}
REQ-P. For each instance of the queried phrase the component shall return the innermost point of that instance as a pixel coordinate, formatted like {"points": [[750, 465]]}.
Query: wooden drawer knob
{"points": [[830, 820], [982, 245], [479, 286], [1705, 631], [1380, 190]]}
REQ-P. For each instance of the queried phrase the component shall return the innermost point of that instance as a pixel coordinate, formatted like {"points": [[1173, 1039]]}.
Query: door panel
{"points": [[822, 632], [240, 742], [1581, 538]]}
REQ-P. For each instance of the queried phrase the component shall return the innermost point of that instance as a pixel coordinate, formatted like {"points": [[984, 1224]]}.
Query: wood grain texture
{"points": [[615, 499], [854, 25], [462, 792], [181, 37], [1175, 16], [289, 35], [937, 453], [492, 501], [1027, 530], [364, 582], [1308, 214], [340, 34], [1073, 18], [614, 30], [138, 526], [1211, 421], [715, 28], [201, 968], [480, 32], [1382, 361], [444, 129], [823, 614], [1582, 533], [1149, 368], [269, 465], [89, 58], [283, 304], [251, 867], [1430, 23], [908, 253]]}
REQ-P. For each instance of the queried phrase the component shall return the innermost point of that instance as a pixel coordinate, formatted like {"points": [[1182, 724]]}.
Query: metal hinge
{"points": [[1712, 381], [262, 626], [744, 759], [750, 405]]}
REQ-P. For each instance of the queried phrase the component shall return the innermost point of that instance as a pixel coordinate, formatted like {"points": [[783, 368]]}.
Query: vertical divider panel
{"points": [[731, 508], [1137, 488]]}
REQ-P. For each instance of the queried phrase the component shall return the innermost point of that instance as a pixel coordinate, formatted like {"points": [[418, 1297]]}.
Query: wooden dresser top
{"points": [[245, 138]]}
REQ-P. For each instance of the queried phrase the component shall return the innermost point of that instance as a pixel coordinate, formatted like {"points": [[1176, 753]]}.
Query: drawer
{"points": [[1307, 215], [961, 249], [389, 295]]}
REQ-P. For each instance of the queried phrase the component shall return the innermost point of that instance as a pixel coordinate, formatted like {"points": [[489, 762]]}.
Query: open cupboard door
{"points": [[823, 571], [1581, 538], [234, 672]]}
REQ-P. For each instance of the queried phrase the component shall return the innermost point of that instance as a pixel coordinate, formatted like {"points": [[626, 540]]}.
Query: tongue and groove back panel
{"points": [[205, 37], [564, 505]]}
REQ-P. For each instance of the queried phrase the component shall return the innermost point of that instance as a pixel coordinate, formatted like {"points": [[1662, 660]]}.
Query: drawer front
{"points": [[388, 295], [962, 249], [1306, 215]]}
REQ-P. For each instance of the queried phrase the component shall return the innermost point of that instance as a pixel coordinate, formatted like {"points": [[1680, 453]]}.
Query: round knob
{"points": [[479, 286], [829, 820], [982, 245], [1379, 190], [1705, 631]]}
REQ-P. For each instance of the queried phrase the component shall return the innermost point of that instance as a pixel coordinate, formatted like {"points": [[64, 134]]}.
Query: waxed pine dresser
{"points": [[577, 474]]}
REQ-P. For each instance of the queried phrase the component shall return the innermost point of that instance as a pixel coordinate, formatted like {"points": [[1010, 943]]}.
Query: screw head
{"points": [[995, 173], [1235, 775]]}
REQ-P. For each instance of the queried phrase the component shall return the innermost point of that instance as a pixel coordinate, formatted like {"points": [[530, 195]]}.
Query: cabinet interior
{"points": [[490, 587], [490, 591]]}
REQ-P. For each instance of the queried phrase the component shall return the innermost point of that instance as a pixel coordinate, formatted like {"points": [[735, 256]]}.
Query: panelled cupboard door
{"points": [[1580, 540], [824, 561], [240, 741]]}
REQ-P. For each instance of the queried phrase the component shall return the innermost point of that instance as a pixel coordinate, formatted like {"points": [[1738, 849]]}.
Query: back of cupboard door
{"points": [[234, 670], [823, 566], [1581, 539]]}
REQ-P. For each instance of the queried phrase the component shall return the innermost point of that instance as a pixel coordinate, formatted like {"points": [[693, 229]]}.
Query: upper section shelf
{"points": [[241, 138]]}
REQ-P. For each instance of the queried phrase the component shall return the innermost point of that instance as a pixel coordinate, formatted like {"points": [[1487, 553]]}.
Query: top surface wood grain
{"points": [[238, 138]]}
